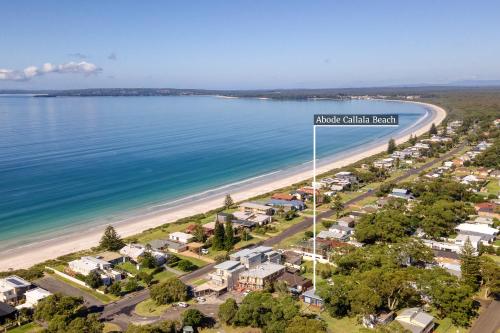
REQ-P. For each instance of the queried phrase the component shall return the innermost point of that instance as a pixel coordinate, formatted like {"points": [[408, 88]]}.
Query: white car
{"points": [[204, 251], [200, 299], [182, 305]]}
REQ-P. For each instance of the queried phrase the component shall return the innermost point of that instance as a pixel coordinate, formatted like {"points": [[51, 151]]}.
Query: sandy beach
{"points": [[29, 255]]}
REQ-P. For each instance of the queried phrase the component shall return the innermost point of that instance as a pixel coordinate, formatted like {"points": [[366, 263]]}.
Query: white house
{"points": [[180, 237], [486, 233], [12, 288], [33, 296], [461, 239], [133, 251], [86, 265]]}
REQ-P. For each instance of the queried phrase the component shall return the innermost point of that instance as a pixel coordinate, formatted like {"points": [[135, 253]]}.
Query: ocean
{"points": [[71, 162]]}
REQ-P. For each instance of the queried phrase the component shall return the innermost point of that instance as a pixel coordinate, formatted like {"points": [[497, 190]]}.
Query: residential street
{"points": [[489, 320]]}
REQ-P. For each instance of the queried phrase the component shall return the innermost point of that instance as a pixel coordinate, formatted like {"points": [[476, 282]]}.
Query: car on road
{"points": [[200, 299], [182, 305], [204, 251]]}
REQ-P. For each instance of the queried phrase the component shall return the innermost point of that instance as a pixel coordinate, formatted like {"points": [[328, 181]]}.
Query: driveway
{"points": [[489, 319], [54, 285]]}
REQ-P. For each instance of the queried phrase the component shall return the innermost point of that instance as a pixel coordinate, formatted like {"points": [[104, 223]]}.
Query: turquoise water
{"points": [[72, 162]]}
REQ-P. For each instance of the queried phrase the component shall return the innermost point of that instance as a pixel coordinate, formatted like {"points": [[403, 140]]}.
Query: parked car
{"points": [[204, 251], [182, 305], [200, 299]]}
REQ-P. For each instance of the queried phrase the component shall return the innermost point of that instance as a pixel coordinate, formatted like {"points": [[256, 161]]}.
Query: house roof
{"points": [[263, 270], [109, 256], [227, 265], [477, 228], [414, 319], [254, 205], [311, 294], [6, 309], [13, 281], [293, 279]]}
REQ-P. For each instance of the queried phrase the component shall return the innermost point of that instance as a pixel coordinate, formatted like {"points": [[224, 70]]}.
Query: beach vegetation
{"points": [[229, 239], [391, 146], [228, 201], [110, 240], [433, 130]]}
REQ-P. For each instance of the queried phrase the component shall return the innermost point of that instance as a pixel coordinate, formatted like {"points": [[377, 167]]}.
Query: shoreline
{"points": [[28, 255]]}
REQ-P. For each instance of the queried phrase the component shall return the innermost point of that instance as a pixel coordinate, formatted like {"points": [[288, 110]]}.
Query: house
{"points": [[336, 232], [258, 277], [7, 312], [346, 221], [283, 196], [180, 237], [292, 259], [295, 281], [401, 193], [385, 163], [255, 256], [287, 205], [12, 288], [33, 296], [422, 146], [226, 274], [167, 244], [486, 233], [260, 219], [416, 320], [348, 176], [256, 208], [311, 298], [470, 179], [133, 251], [461, 239], [488, 209], [223, 217], [114, 258], [86, 265], [188, 329]]}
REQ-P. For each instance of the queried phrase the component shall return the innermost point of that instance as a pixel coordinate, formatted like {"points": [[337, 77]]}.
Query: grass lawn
{"points": [[110, 327], [162, 276], [494, 257], [149, 308], [103, 298], [132, 269], [197, 261], [493, 186], [445, 326], [342, 325], [28, 328]]}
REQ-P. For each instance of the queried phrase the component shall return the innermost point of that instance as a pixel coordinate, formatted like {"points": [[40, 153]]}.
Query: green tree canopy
{"points": [[172, 290], [110, 240]]}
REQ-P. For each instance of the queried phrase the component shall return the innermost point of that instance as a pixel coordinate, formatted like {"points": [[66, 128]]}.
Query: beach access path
{"points": [[30, 254]]}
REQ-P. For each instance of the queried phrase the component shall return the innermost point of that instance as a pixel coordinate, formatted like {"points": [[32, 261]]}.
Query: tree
{"points": [[391, 146], [147, 260], [337, 205], [218, 238], [413, 139], [186, 265], [390, 225], [166, 326], [470, 265], [192, 317], [57, 304], [172, 290], [229, 236], [116, 288], [228, 310], [433, 130], [93, 280], [228, 201], [301, 324], [131, 285], [490, 274], [110, 240], [199, 233]]}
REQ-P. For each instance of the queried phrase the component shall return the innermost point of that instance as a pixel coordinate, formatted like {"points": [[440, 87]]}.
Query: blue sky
{"points": [[246, 44]]}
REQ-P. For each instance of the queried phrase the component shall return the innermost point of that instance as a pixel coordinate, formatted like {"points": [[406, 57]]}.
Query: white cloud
{"points": [[30, 72]]}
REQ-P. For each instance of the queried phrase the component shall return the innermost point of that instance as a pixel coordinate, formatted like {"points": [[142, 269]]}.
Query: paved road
{"points": [[489, 320], [54, 285], [126, 306]]}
